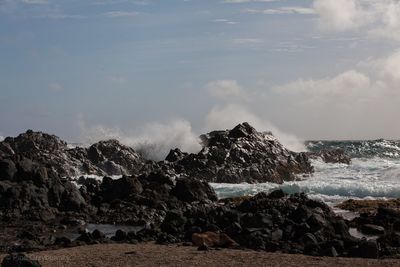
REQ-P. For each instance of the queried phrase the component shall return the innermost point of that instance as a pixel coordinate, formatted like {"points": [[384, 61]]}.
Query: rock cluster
{"points": [[331, 156], [241, 155], [384, 224], [171, 201], [103, 158], [269, 222]]}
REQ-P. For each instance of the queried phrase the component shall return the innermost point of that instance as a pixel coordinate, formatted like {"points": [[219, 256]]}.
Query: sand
{"points": [[150, 254]]}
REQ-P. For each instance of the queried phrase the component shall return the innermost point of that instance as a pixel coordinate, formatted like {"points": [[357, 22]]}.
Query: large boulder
{"points": [[120, 188], [190, 190]]}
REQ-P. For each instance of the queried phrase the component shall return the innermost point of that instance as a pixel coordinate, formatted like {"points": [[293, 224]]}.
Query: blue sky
{"points": [[312, 69]]}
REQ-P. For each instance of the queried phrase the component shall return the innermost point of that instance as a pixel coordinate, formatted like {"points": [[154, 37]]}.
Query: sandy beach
{"points": [[150, 254]]}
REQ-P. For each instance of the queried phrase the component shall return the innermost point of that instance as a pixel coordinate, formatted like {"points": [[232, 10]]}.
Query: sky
{"points": [[169, 70]]}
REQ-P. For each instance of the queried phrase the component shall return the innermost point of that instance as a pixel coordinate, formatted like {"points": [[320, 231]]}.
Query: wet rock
{"points": [[242, 155], [190, 190], [103, 158], [120, 236], [331, 156], [96, 234], [175, 155], [371, 229]]}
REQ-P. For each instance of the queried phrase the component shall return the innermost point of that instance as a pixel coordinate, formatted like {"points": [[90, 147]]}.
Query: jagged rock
{"points": [[241, 155], [103, 158], [190, 190], [331, 156], [175, 155]]}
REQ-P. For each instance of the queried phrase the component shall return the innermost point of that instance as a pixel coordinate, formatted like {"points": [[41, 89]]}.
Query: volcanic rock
{"points": [[331, 156], [103, 158], [241, 155], [19, 260]]}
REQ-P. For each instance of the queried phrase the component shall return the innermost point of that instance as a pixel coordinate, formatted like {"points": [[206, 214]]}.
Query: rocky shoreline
{"points": [[171, 201]]}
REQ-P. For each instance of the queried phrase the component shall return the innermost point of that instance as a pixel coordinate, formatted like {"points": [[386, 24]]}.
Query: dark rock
{"points": [[277, 235], [203, 248], [371, 229], [120, 188], [174, 222], [329, 252], [19, 260], [96, 234], [175, 155], [120, 236], [62, 241], [368, 249], [190, 190], [103, 158], [86, 237], [331, 156], [242, 155], [277, 194], [7, 169]]}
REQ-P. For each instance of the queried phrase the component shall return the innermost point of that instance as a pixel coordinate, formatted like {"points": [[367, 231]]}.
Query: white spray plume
{"points": [[228, 116], [153, 140]]}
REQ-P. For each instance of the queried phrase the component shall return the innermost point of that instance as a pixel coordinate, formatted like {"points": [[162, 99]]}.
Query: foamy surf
{"points": [[373, 174]]}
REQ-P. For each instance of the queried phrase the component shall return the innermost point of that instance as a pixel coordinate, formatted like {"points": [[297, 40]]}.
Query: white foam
{"points": [[334, 183], [96, 177]]}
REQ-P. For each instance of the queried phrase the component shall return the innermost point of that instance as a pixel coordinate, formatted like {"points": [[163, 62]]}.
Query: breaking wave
{"points": [[374, 173]]}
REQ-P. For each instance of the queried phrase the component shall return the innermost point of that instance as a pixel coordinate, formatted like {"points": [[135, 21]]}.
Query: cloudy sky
{"points": [[322, 69]]}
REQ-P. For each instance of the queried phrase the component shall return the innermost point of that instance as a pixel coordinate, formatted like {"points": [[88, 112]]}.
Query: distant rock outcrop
{"points": [[331, 156], [241, 155], [103, 158]]}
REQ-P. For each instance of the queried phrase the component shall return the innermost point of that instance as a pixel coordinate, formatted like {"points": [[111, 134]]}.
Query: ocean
{"points": [[374, 173]]}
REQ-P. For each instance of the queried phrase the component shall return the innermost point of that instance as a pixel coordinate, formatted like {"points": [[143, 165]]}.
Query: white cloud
{"points": [[378, 18], [35, 2], [120, 14], [359, 103], [245, 41], [283, 10], [226, 21], [342, 86]]}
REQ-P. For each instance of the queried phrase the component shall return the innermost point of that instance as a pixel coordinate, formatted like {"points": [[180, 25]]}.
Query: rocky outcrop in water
{"points": [[331, 156], [103, 158], [241, 155]]}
